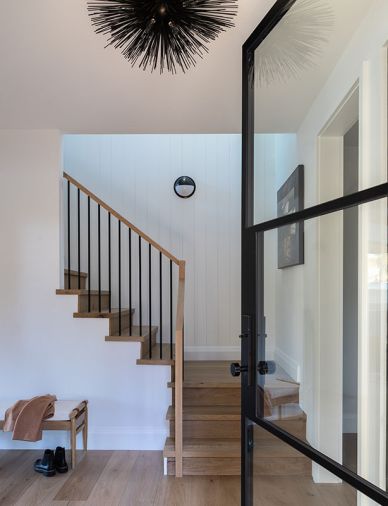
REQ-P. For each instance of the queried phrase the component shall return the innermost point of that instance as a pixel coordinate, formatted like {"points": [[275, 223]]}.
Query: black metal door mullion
{"points": [[248, 294]]}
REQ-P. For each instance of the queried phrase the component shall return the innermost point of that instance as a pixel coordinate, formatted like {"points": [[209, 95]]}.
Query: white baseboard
{"points": [[212, 352], [99, 438], [287, 363]]}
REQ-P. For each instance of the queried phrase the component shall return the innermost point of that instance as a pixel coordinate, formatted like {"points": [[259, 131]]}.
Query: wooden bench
{"points": [[69, 415]]}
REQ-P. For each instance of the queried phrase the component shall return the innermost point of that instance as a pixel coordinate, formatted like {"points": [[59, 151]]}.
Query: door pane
{"points": [[285, 477], [317, 75], [325, 348]]}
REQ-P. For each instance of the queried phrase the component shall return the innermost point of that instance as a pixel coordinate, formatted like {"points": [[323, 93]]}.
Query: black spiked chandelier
{"points": [[170, 33]]}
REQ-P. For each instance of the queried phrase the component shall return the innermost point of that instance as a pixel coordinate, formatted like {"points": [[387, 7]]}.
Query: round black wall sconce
{"points": [[184, 187]]}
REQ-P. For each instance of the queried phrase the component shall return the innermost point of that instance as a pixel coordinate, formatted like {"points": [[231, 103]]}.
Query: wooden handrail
{"points": [[179, 358], [121, 218]]}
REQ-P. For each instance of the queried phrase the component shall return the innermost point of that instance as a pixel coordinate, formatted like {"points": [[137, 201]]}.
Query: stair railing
{"points": [[84, 232]]}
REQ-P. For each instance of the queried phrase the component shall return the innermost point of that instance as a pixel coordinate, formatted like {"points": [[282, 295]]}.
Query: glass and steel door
{"points": [[314, 255]]}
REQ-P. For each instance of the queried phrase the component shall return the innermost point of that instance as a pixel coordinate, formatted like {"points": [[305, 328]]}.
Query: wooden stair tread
{"points": [[76, 291], [135, 335], [186, 384], [155, 353], [207, 413], [208, 374], [205, 448], [75, 273], [114, 313]]}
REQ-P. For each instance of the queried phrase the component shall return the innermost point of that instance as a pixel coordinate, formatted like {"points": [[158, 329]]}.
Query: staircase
{"points": [[204, 416], [134, 271], [135, 336], [211, 425]]}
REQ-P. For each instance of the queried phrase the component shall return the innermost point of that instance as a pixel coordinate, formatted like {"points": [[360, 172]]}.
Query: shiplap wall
{"points": [[134, 174]]}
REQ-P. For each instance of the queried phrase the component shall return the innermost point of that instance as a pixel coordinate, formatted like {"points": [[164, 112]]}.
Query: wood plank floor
{"points": [[129, 478]]}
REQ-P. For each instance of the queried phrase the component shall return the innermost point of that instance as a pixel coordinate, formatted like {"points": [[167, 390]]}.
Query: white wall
{"points": [[135, 174], [43, 349]]}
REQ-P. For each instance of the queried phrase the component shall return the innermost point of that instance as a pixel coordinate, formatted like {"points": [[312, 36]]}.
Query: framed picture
{"points": [[290, 199]]}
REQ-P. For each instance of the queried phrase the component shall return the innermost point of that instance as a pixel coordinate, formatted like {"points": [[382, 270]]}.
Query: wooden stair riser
{"points": [[74, 281], [83, 303], [206, 466], [145, 345], [208, 429], [114, 324], [269, 466], [155, 356], [211, 396], [282, 466], [232, 429]]}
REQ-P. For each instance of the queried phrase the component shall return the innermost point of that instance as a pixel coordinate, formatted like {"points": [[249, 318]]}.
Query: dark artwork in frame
{"points": [[290, 199]]}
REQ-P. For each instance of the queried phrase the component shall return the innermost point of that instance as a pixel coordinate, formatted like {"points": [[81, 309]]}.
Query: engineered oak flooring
{"points": [[130, 478]]}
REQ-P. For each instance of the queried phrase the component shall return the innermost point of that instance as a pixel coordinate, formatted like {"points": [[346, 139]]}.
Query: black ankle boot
{"points": [[46, 465], [60, 460]]}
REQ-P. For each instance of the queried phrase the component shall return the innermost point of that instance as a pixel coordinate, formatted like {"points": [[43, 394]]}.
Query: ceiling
{"points": [[55, 73]]}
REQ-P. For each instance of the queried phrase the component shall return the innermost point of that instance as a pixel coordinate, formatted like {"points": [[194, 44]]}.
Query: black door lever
{"points": [[266, 367], [236, 369]]}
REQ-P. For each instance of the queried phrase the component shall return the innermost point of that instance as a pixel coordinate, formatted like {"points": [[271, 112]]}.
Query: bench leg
{"points": [[73, 437], [85, 431]]}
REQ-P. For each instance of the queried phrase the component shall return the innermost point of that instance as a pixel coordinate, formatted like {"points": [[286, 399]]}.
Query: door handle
{"points": [[266, 367], [263, 368], [236, 369]]}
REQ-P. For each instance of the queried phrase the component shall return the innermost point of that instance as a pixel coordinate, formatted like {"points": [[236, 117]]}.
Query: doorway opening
{"points": [[339, 154]]}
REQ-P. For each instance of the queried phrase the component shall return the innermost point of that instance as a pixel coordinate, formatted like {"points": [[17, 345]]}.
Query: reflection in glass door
{"points": [[307, 349], [314, 254]]}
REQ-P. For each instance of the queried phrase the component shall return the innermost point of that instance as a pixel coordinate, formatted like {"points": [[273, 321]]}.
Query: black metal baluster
{"points": [[68, 236], [160, 305], [89, 271], [171, 327], [99, 258], [79, 237], [130, 278], [109, 263], [140, 301], [119, 278], [149, 303]]}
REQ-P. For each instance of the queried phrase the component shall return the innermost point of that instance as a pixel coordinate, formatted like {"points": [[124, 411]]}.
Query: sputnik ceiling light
{"points": [[165, 33]]}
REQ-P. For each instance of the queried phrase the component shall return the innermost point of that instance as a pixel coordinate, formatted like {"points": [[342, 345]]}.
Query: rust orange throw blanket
{"points": [[25, 418]]}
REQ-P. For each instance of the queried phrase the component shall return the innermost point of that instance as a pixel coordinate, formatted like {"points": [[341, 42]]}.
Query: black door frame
{"points": [[252, 270]]}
